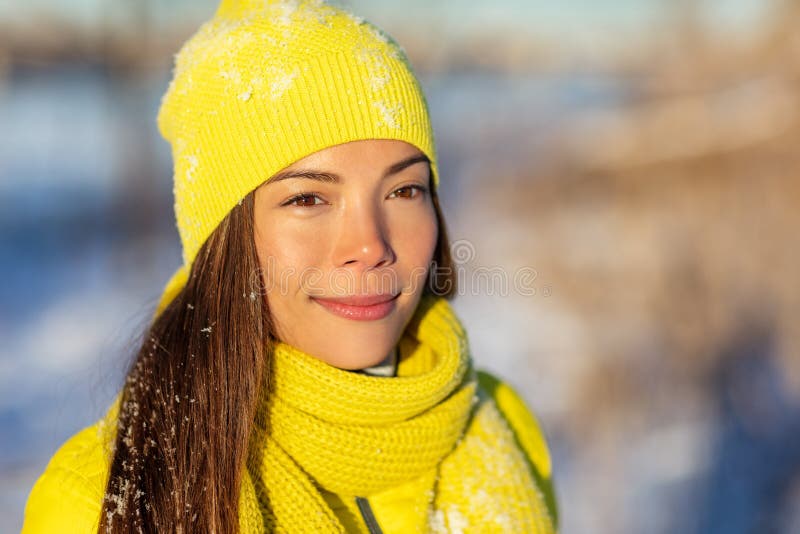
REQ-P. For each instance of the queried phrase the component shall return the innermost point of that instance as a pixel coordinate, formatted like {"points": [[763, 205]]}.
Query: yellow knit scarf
{"points": [[326, 429]]}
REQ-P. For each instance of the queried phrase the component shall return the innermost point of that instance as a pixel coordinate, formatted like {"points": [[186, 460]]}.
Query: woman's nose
{"points": [[363, 241]]}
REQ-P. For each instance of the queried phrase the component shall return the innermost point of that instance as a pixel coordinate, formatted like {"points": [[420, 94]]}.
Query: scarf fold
{"points": [[351, 434]]}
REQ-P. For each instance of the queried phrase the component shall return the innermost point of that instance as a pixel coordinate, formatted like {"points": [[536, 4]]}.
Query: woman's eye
{"points": [[303, 200], [408, 191]]}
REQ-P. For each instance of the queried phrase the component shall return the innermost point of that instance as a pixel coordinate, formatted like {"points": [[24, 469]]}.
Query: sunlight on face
{"points": [[358, 220]]}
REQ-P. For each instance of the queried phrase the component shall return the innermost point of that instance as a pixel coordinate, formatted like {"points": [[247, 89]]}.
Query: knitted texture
{"points": [[265, 83], [327, 430]]}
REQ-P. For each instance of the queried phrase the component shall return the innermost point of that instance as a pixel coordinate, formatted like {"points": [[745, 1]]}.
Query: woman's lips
{"points": [[366, 308]]}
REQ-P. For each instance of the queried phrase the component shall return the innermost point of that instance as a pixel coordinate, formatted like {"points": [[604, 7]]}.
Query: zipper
{"points": [[368, 516]]}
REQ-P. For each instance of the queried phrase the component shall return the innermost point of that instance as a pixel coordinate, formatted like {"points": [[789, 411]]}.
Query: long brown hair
{"points": [[191, 393]]}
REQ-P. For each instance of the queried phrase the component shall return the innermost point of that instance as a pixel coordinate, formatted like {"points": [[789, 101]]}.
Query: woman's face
{"points": [[351, 221]]}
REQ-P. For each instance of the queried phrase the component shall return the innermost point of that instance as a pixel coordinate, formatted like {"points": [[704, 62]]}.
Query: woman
{"points": [[304, 370]]}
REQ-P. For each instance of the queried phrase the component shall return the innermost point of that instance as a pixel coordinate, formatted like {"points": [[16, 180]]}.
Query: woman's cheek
{"points": [[301, 259], [420, 235]]}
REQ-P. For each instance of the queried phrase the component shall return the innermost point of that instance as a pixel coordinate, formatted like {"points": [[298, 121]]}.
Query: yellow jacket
{"points": [[67, 497]]}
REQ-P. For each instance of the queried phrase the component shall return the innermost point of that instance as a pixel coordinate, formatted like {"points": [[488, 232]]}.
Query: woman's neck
{"points": [[388, 367]]}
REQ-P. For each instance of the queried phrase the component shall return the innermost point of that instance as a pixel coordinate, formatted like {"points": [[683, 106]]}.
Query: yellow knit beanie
{"points": [[265, 83]]}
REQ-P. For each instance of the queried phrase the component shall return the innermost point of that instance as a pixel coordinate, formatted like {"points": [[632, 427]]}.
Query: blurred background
{"points": [[640, 157]]}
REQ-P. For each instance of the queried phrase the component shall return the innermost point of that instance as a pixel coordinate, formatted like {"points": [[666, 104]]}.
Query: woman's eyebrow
{"points": [[330, 177], [400, 165]]}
